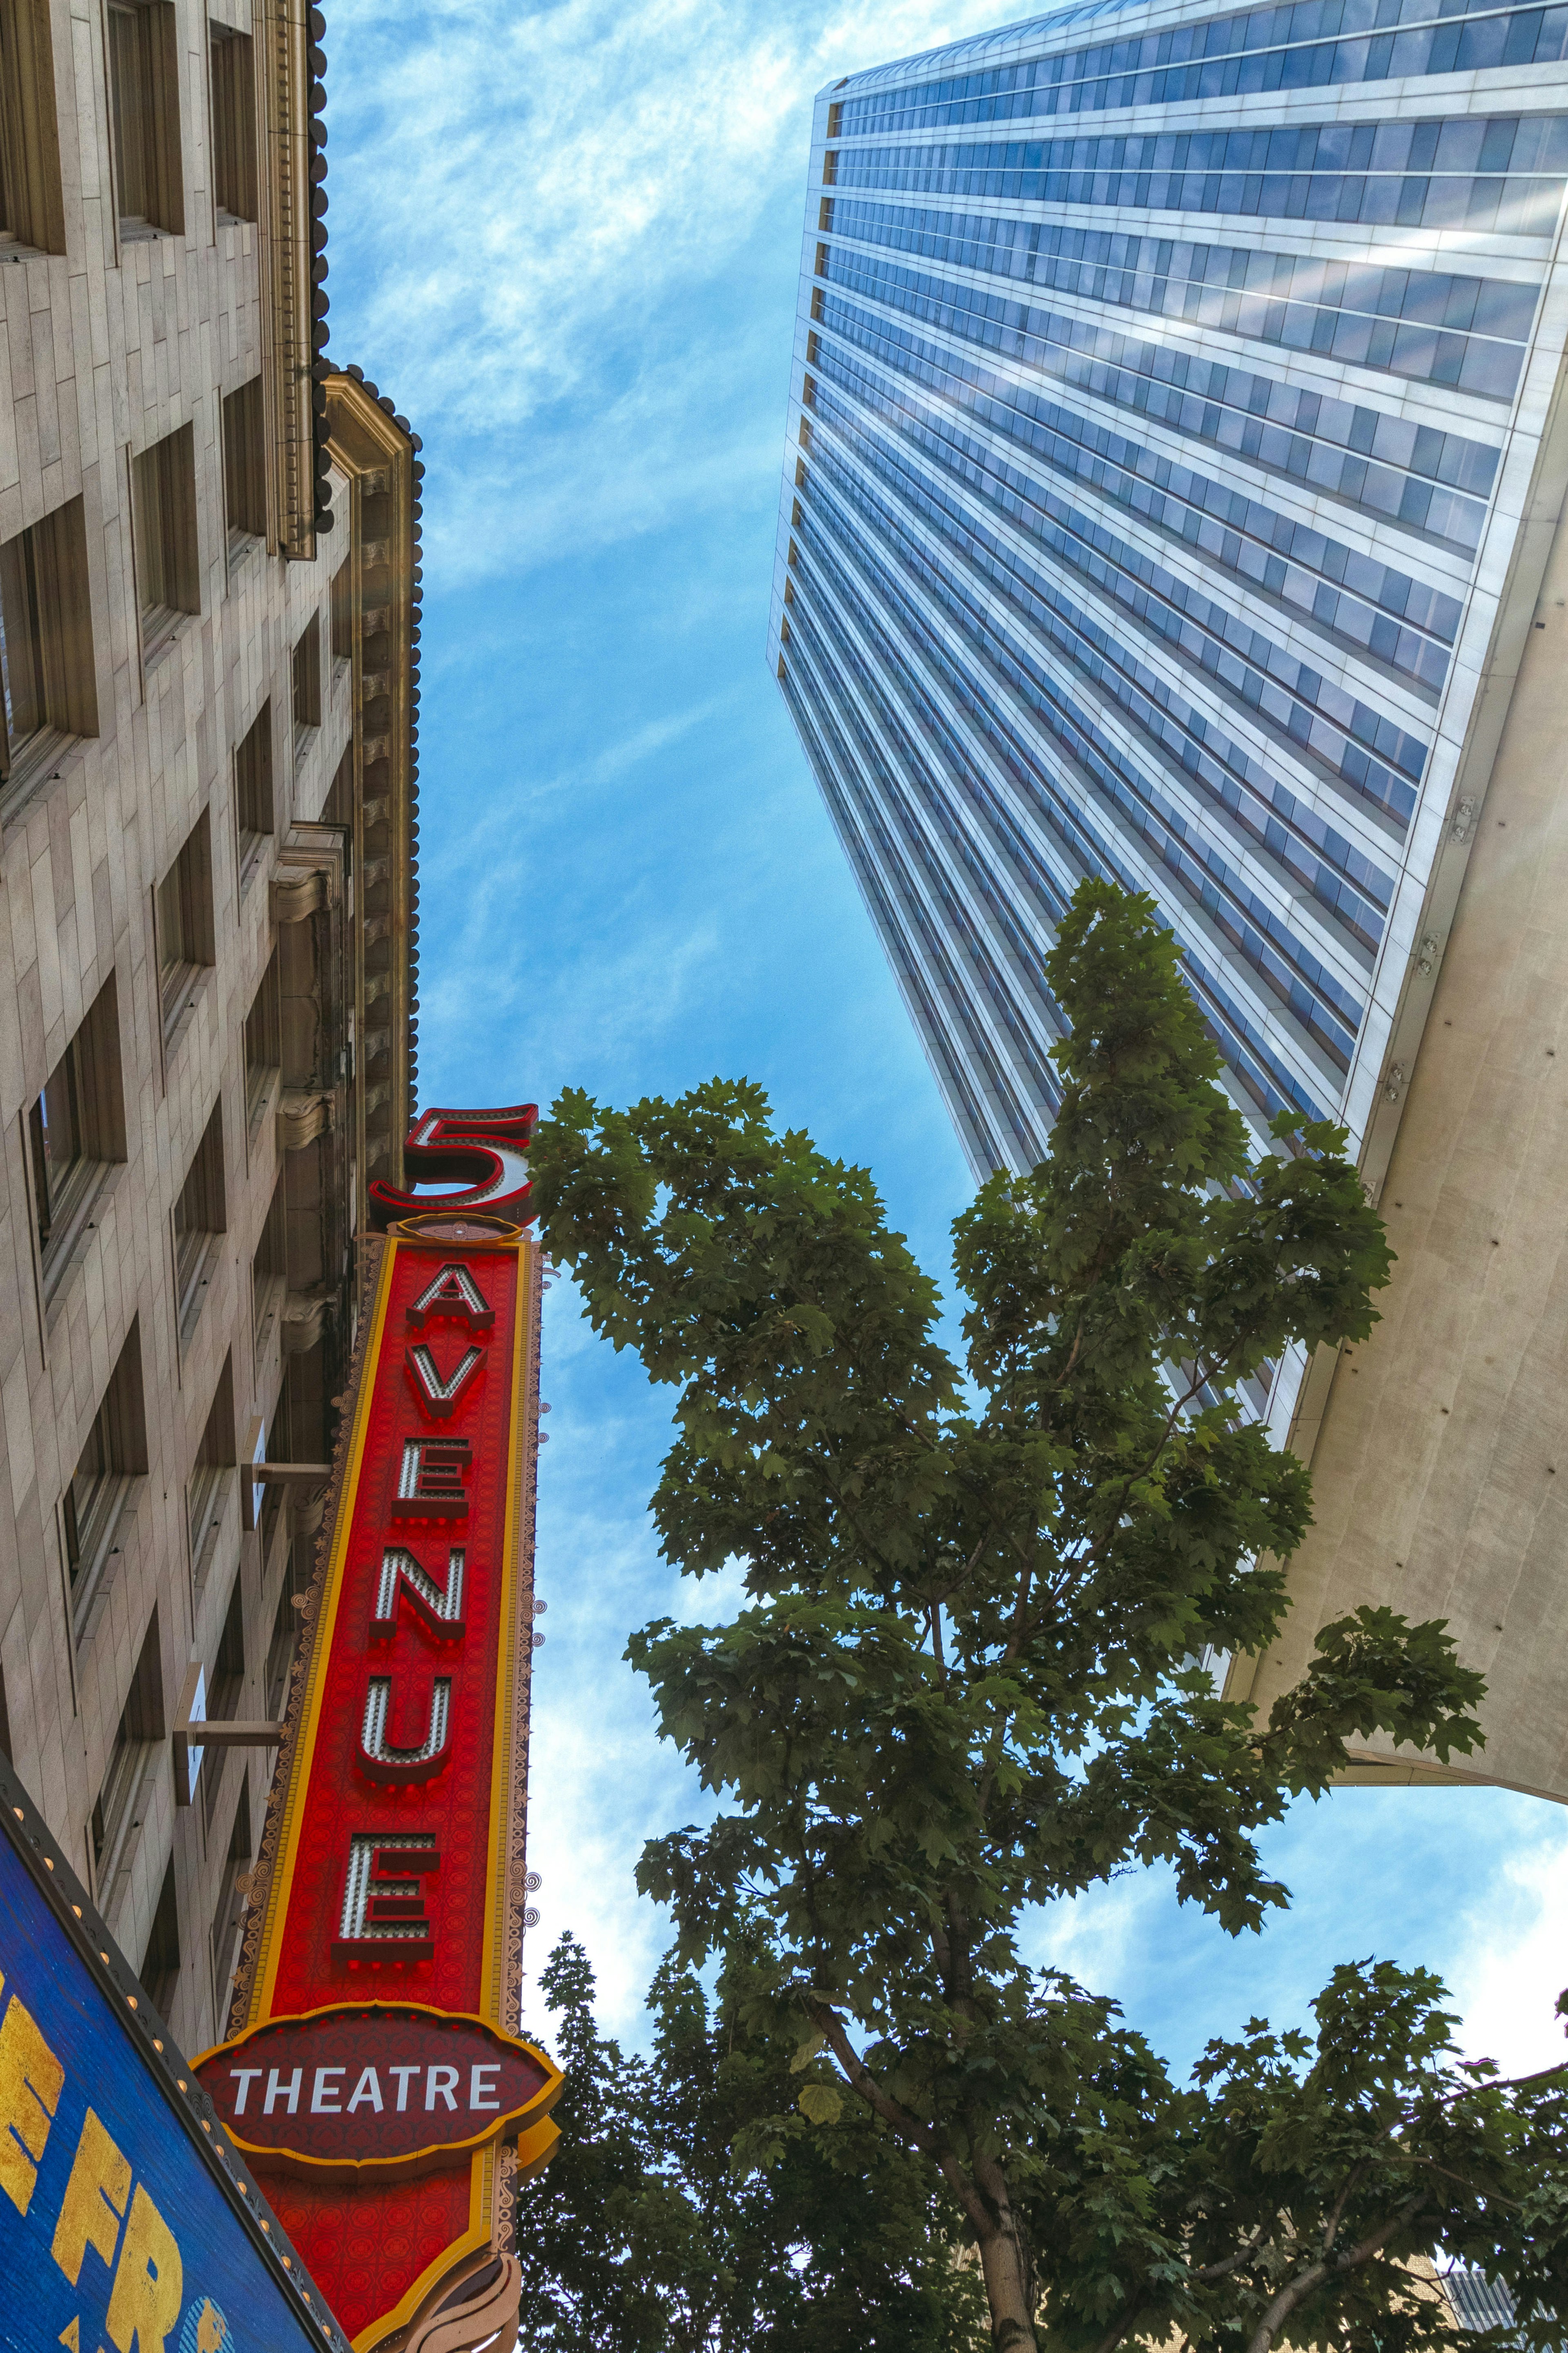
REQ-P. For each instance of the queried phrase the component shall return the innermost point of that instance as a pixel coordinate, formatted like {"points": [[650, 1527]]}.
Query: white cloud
{"points": [[536, 211], [1514, 1963]]}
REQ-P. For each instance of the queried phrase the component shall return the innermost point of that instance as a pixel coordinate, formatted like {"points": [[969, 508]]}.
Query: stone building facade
{"points": [[208, 584]]}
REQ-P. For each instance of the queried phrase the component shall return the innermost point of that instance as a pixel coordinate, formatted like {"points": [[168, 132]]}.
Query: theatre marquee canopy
{"points": [[126, 2220]]}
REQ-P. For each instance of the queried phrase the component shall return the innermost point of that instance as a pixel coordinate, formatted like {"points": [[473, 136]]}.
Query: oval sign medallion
{"points": [[376, 2083]]}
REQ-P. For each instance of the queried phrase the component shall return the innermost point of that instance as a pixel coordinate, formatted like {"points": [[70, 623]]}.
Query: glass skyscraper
{"points": [[1171, 443], [1175, 492]]}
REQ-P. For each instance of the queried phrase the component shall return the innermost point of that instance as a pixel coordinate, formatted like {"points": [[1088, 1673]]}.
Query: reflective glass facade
{"points": [[1158, 505]]}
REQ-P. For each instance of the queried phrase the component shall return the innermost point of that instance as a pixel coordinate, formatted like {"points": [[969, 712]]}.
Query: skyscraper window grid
{"points": [[1154, 508]]}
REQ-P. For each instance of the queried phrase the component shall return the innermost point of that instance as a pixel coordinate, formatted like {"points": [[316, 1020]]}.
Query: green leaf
{"points": [[821, 2105]]}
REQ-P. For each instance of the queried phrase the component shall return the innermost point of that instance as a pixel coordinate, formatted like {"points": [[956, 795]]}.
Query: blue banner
{"points": [[123, 2223]]}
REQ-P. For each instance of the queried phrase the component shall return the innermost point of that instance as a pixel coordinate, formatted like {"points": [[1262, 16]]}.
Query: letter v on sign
{"points": [[438, 1396]]}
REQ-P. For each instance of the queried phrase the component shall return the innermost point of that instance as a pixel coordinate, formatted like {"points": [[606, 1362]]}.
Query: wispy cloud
{"points": [[546, 203]]}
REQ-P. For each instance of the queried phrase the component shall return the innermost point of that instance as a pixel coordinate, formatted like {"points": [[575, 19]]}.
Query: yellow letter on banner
{"points": [[30, 2080], [94, 2200], [148, 2286]]}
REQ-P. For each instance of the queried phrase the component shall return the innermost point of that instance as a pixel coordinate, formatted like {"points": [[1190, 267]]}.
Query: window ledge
{"points": [[38, 761], [182, 986], [113, 1875], [192, 1297], [211, 1490], [271, 1291], [100, 1572], [260, 1096], [242, 546], [69, 1247], [162, 626], [253, 850]]}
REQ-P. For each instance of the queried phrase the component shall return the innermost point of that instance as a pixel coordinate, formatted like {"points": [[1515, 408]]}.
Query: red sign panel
{"points": [[376, 2033]]}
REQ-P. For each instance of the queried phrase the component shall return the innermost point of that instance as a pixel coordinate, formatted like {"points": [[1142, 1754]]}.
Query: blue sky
{"points": [[566, 241]]}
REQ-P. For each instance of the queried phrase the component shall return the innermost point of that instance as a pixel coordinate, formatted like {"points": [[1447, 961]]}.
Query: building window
{"points": [[253, 792], [199, 1220], [279, 1448], [286, 1633], [113, 1803], [145, 118], [76, 1132], [270, 1286], [210, 1487], [225, 1691], [244, 466], [46, 643], [339, 805], [139, 1730], [30, 195], [263, 1044], [229, 1914], [160, 1970], [342, 612], [103, 1487], [183, 920], [234, 124], [163, 510], [306, 677]]}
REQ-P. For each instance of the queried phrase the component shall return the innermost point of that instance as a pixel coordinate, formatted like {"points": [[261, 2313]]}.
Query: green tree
{"points": [[684, 2213], [579, 2286], [1292, 2193], [965, 1681]]}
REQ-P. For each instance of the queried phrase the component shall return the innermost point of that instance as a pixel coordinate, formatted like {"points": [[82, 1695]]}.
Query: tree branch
{"points": [[864, 2084], [1336, 2213], [1110, 2343], [1234, 2262], [898, 2119], [1301, 2286]]}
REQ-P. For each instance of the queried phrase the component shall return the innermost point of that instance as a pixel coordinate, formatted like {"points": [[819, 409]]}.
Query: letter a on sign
{"points": [[452, 1292]]}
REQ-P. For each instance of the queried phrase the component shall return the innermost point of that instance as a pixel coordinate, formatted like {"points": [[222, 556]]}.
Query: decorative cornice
{"points": [[305, 1317], [377, 450], [294, 897], [293, 262], [302, 1116]]}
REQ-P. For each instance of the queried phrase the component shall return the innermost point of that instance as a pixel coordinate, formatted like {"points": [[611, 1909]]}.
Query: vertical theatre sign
{"points": [[375, 2083]]}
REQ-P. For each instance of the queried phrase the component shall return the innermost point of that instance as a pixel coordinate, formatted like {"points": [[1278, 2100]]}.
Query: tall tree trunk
{"points": [[1006, 2267]]}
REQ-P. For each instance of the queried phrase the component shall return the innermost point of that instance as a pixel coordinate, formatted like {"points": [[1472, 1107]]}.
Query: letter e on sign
{"points": [[94, 2202]]}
